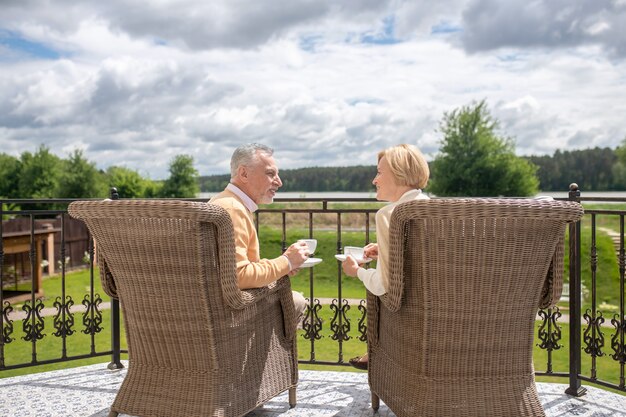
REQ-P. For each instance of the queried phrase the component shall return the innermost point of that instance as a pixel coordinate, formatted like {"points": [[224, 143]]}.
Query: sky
{"points": [[324, 82]]}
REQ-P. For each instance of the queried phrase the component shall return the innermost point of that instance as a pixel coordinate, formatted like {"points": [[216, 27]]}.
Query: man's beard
{"points": [[267, 199]]}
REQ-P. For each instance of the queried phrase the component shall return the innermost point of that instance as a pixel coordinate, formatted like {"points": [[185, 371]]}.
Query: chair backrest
{"points": [[477, 270], [172, 265]]}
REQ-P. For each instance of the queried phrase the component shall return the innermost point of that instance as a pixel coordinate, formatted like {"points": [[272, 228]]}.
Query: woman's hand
{"points": [[350, 266], [371, 251]]}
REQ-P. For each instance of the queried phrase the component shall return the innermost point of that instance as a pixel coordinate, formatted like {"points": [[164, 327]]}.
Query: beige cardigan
{"points": [[252, 272]]}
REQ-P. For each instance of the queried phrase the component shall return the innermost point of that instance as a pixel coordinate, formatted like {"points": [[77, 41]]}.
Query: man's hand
{"points": [[297, 254], [371, 251], [350, 266]]}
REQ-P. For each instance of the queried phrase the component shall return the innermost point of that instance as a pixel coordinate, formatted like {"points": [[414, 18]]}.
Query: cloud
{"points": [[492, 24], [191, 24], [422, 18], [478, 25], [532, 126], [115, 108], [326, 83]]}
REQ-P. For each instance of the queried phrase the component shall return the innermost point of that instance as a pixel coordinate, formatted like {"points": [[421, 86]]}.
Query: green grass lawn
{"points": [[50, 347], [326, 274], [610, 221], [326, 350], [607, 270], [325, 277]]}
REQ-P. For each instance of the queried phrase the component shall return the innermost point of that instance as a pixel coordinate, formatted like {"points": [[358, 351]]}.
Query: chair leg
{"points": [[375, 402], [292, 397], [113, 413]]}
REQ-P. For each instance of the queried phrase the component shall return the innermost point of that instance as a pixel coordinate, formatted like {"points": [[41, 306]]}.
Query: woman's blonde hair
{"points": [[407, 164]]}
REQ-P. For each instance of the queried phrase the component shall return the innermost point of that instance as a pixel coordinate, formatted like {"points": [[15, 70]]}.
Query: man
{"points": [[254, 180]]}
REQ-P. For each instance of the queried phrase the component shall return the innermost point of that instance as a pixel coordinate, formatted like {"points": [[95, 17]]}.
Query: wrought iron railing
{"points": [[589, 344], [591, 339], [34, 328]]}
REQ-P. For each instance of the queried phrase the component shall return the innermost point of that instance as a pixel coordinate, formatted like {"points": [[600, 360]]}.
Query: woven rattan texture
{"points": [[454, 334], [198, 346]]}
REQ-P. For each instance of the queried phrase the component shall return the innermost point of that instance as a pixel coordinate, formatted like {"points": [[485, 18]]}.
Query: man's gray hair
{"points": [[246, 155]]}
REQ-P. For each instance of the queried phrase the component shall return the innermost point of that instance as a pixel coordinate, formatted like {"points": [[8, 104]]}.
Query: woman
{"points": [[401, 174]]}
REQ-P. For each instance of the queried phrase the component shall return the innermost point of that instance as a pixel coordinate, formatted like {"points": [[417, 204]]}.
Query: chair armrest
{"points": [[282, 287], [290, 316], [253, 295], [553, 285], [373, 316], [106, 277]]}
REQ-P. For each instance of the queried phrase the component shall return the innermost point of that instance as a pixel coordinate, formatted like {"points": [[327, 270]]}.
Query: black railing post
{"points": [[115, 320], [575, 388], [2, 338]]}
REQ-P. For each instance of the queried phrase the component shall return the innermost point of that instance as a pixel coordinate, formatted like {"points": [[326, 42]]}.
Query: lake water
{"points": [[346, 194]]}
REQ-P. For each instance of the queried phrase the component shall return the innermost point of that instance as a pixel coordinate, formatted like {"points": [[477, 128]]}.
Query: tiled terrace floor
{"points": [[88, 392]]}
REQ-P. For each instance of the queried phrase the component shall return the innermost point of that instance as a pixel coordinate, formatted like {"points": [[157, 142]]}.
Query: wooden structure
{"points": [[32, 244]]}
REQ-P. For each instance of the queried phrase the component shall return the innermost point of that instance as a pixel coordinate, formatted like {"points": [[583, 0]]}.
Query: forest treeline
{"points": [[596, 169], [354, 178], [42, 175]]}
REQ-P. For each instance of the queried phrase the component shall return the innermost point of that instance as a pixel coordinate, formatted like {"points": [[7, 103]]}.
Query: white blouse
{"points": [[377, 280]]}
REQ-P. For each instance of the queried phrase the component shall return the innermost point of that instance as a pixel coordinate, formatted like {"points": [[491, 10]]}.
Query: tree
{"points": [[621, 152], [474, 161], [40, 174], [183, 180], [10, 168], [619, 168], [153, 189], [352, 178], [593, 169], [128, 182], [9, 175], [80, 178]]}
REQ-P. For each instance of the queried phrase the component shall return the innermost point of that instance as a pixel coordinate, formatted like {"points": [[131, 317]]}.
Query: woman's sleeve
{"points": [[371, 280], [382, 236]]}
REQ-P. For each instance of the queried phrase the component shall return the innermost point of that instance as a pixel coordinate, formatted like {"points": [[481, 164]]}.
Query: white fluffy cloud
{"points": [[490, 24], [325, 83]]}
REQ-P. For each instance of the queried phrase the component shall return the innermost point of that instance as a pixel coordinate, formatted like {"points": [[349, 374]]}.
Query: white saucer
{"points": [[310, 262], [341, 257]]}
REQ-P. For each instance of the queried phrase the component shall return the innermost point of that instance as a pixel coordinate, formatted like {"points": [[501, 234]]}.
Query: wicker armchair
{"points": [[454, 334], [197, 345]]}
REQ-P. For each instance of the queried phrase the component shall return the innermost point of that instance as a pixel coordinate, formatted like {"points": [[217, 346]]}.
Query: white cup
{"points": [[311, 244], [354, 251]]}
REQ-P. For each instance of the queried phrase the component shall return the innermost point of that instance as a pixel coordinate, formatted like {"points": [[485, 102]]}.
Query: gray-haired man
{"points": [[254, 180]]}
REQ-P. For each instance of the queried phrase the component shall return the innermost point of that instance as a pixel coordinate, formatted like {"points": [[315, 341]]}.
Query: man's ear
{"points": [[242, 173]]}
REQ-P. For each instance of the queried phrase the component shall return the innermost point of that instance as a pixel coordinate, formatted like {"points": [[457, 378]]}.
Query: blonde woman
{"points": [[402, 173]]}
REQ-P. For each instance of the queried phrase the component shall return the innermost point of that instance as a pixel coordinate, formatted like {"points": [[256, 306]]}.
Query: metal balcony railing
{"points": [[594, 315]]}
